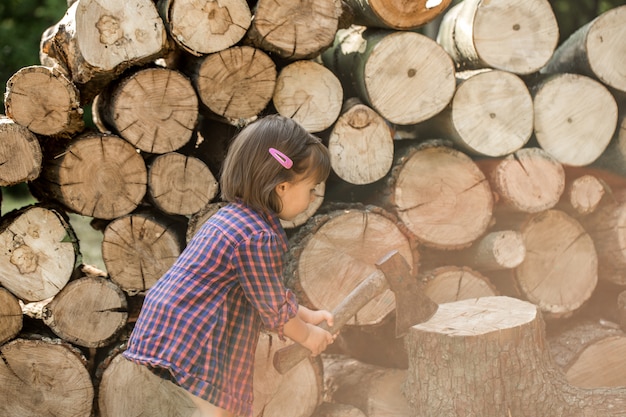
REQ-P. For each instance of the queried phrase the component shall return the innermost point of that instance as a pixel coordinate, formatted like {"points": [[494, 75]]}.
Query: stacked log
{"points": [[470, 154]]}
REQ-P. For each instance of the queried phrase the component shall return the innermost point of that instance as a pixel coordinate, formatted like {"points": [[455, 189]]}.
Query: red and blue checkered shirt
{"points": [[201, 321]]}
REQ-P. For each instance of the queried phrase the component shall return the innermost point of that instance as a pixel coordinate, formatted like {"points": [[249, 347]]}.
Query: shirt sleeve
{"points": [[259, 262]]}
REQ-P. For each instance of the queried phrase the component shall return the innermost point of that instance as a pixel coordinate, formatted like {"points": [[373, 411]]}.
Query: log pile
{"points": [[490, 158]]}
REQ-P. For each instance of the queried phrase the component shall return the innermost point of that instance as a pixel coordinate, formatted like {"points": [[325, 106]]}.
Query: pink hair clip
{"points": [[282, 159]]}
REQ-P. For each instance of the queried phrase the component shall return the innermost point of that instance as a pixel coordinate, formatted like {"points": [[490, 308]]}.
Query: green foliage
{"points": [[572, 15], [22, 22]]}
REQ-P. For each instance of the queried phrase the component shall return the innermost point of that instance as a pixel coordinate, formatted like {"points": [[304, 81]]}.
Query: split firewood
{"points": [[96, 175], [441, 196], [496, 250], [294, 30], [138, 248], [394, 15], [20, 153], [348, 242], [11, 319], [309, 93], [204, 27], [235, 84], [38, 251], [499, 336], [44, 100], [527, 181], [128, 389], [95, 42], [560, 270], [155, 109], [180, 184], [491, 114], [593, 50], [575, 132], [89, 312], [591, 353], [375, 390], [386, 68], [297, 393], [508, 35], [360, 144], [44, 377]]}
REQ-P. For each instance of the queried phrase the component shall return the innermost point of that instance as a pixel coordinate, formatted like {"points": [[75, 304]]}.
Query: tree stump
{"points": [[95, 175], [44, 378], [488, 357], [507, 35], [294, 31], [89, 312], [138, 248], [575, 132], [348, 242], [11, 319], [491, 114], [44, 100], [38, 252], [386, 68], [441, 196], [594, 50], [20, 154], [360, 144], [398, 15], [180, 184], [207, 26], [309, 93], [96, 41], [155, 109], [235, 84]]}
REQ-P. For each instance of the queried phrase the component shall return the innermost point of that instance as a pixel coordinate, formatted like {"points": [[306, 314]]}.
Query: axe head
{"points": [[412, 305]]}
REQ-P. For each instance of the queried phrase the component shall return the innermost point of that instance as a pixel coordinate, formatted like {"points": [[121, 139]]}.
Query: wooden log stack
{"points": [[489, 156]]}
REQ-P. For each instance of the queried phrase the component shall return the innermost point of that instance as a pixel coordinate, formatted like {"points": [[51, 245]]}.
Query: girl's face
{"points": [[295, 197]]}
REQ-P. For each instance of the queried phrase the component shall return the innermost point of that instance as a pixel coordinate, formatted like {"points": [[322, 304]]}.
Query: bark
{"points": [[509, 35], [95, 175], [179, 184], [204, 27], [294, 31], [593, 50], [39, 250], [386, 68], [441, 196], [528, 181], [360, 144], [575, 132], [89, 312], [128, 389], [96, 41], [491, 114], [138, 248], [20, 154], [349, 243], [235, 84], [44, 377], [479, 353], [398, 15], [614, 157], [309, 93], [11, 320], [155, 109], [44, 100]]}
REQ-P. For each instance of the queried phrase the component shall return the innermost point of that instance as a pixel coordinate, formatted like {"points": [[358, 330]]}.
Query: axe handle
{"points": [[288, 357]]}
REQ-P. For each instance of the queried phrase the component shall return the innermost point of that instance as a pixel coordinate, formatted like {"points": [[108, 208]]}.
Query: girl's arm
{"points": [[307, 333]]}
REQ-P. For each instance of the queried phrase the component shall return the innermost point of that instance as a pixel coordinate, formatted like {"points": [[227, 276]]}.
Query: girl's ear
{"points": [[281, 188]]}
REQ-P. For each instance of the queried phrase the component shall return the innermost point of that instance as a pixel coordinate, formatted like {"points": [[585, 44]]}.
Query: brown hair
{"points": [[250, 173]]}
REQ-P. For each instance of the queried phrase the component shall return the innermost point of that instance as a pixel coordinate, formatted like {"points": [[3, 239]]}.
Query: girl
{"points": [[200, 322]]}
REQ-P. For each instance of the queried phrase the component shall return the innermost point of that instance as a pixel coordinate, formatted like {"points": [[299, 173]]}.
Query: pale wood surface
{"points": [[20, 153], [394, 14], [10, 316]]}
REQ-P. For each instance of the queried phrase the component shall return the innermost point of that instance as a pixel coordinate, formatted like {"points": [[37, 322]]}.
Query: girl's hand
{"points": [[317, 340], [315, 316]]}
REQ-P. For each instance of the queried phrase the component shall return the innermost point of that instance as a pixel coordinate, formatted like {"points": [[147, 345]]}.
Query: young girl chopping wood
{"points": [[200, 323]]}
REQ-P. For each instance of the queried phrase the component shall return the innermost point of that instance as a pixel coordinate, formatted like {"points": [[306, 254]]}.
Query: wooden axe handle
{"points": [[288, 357]]}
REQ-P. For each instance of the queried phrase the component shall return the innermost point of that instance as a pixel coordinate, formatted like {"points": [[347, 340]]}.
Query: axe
{"points": [[412, 305]]}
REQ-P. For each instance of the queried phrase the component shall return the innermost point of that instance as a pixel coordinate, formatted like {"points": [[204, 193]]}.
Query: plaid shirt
{"points": [[201, 320]]}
